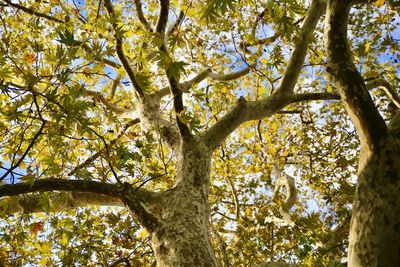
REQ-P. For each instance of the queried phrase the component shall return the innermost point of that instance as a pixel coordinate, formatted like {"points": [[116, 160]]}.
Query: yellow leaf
{"points": [[248, 212], [274, 126], [271, 150], [367, 47], [43, 261], [264, 61], [45, 248], [379, 3], [29, 58], [142, 234], [64, 239]]}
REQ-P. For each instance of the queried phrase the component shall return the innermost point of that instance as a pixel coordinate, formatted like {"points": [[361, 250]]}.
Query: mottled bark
{"points": [[183, 236], [375, 224]]}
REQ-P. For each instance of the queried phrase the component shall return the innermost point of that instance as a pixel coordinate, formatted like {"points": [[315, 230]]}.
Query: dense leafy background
{"points": [[313, 142]]}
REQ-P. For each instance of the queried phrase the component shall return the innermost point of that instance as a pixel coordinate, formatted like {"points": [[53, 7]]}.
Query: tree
{"points": [[374, 230], [178, 111]]}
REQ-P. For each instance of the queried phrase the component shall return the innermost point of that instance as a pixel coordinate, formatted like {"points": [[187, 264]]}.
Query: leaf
{"points": [[248, 212], [64, 239], [177, 68], [216, 8], [379, 3], [36, 227], [142, 234], [8, 204], [367, 47], [5, 73], [264, 61], [29, 58], [120, 31], [66, 38], [29, 179]]}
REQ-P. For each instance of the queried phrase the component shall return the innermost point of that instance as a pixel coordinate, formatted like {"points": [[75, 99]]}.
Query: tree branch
{"points": [[134, 198], [255, 110], [173, 81], [263, 41], [185, 86], [313, 97], [100, 59], [242, 112], [35, 137], [296, 60], [76, 42], [163, 17], [386, 87], [117, 110], [54, 184], [33, 12], [120, 50], [62, 201], [141, 17], [101, 151], [369, 123], [176, 24]]}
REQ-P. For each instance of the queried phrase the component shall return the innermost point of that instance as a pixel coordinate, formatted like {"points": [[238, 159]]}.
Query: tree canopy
{"points": [[96, 96]]}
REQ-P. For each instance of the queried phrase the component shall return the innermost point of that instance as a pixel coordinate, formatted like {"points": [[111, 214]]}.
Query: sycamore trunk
{"points": [[375, 225], [183, 236]]}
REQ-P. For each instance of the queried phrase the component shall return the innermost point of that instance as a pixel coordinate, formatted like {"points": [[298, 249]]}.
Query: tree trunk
{"points": [[375, 225], [183, 237]]}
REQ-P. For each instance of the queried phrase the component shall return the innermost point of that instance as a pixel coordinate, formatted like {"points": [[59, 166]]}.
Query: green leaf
{"points": [[216, 8], [29, 179], [177, 68], [66, 38], [120, 31]]}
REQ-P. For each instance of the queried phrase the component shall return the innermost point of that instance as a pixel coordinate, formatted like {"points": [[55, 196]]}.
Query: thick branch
{"points": [[313, 97], [173, 80], [33, 12], [185, 86], [62, 201], [369, 123], [53, 184], [255, 110], [141, 17], [134, 198], [296, 60], [242, 112], [178, 105], [229, 76], [387, 87], [163, 17]]}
